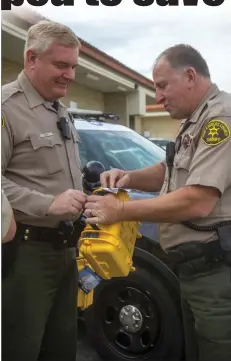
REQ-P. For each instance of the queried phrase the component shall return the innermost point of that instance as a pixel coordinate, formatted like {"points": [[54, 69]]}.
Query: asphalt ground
{"points": [[85, 351]]}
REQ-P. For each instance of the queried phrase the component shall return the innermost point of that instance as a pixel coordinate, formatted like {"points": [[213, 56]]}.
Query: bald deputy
{"points": [[195, 194], [41, 177]]}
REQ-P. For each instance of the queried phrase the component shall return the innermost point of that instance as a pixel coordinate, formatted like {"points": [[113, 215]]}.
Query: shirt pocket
{"points": [[181, 170], [77, 144], [182, 162], [47, 152]]}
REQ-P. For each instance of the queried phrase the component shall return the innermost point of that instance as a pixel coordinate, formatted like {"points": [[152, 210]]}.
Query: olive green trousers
{"points": [[39, 303], [206, 305]]}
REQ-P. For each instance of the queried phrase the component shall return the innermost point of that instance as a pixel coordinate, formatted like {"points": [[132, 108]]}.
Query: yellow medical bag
{"points": [[109, 248]]}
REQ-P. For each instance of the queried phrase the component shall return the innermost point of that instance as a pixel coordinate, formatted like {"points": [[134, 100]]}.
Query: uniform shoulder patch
{"points": [[215, 132]]}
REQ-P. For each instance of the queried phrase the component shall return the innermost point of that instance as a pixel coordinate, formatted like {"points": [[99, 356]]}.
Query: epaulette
{"points": [[8, 91]]}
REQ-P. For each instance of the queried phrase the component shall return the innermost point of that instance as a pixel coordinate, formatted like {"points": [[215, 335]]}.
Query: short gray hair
{"points": [[183, 55], [41, 35]]}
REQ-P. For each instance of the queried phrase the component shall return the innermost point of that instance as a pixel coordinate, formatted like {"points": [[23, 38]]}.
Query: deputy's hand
{"points": [[103, 209], [115, 178], [68, 203]]}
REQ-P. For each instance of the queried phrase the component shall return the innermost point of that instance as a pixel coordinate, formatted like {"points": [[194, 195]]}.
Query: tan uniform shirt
{"points": [[37, 163], [203, 157], [7, 214]]}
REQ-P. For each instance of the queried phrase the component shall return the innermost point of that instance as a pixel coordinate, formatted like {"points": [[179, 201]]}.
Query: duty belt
{"points": [[194, 257], [60, 237]]}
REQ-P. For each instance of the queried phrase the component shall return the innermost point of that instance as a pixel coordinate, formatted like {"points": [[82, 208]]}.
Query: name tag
{"points": [[46, 135]]}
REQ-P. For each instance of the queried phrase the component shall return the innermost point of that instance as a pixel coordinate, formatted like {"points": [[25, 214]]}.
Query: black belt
{"points": [[193, 250], [194, 257], [63, 236]]}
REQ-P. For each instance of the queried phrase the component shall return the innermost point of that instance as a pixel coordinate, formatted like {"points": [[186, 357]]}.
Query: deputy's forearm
{"points": [[186, 203], [26, 200], [149, 179]]}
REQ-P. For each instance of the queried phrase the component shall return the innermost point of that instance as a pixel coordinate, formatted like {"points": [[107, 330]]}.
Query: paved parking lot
{"points": [[85, 351]]}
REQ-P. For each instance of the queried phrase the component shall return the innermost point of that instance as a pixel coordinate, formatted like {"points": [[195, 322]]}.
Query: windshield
{"points": [[118, 149]]}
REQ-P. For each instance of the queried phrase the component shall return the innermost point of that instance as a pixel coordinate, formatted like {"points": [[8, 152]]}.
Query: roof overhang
{"points": [[156, 114], [156, 110]]}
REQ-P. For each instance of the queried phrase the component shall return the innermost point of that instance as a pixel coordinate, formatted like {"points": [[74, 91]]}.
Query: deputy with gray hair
{"points": [[42, 179], [194, 206]]}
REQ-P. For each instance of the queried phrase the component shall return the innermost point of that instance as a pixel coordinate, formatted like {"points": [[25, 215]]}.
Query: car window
{"points": [[118, 149], [160, 143]]}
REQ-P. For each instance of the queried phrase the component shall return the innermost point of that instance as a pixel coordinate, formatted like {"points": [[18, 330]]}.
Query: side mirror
{"points": [[91, 175]]}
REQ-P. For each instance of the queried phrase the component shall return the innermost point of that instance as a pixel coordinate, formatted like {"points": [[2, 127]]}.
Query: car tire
{"points": [[137, 317]]}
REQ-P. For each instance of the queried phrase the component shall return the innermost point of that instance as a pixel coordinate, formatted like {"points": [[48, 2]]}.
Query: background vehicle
{"points": [[160, 142], [137, 317]]}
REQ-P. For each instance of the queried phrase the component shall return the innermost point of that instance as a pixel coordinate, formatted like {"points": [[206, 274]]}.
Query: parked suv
{"points": [[136, 317]]}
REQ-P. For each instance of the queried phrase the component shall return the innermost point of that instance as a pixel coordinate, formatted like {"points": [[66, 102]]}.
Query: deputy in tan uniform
{"points": [[8, 225], [195, 192], [41, 177]]}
